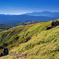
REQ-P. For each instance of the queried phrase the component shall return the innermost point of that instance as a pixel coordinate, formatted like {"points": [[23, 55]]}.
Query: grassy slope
{"points": [[18, 35], [4, 27], [43, 44]]}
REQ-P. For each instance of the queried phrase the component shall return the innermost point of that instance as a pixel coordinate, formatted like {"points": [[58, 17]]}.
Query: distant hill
{"points": [[4, 27], [27, 23], [15, 19], [44, 13]]}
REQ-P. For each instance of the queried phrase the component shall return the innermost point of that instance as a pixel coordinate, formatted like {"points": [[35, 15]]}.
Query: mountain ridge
{"points": [[15, 19], [44, 13]]}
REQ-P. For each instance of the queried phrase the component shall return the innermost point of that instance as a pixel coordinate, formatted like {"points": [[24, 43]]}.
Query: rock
{"points": [[25, 54], [48, 28], [54, 24], [2, 54], [27, 39], [5, 51], [5, 44], [1, 47]]}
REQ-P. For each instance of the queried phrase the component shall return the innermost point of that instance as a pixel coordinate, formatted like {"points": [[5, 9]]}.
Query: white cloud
{"points": [[16, 13], [12, 13]]}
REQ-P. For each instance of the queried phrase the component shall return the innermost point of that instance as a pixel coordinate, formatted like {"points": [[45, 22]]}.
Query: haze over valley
{"points": [[35, 16]]}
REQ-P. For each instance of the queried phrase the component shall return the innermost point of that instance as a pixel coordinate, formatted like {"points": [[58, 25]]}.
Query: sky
{"points": [[28, 6]]}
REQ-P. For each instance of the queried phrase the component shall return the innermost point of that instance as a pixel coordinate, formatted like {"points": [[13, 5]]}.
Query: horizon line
{"points": [[23, 13]]}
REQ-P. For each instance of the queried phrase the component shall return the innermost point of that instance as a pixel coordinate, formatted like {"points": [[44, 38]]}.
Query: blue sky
{"points": [[27, 6]]}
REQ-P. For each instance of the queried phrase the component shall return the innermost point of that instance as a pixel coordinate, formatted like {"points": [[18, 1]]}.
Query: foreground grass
{"points": [[43, 44], [18, 35]]}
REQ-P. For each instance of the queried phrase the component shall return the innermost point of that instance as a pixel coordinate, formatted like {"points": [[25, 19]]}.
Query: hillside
{"points": [[28, 23], [4, 27], [43, 43]]}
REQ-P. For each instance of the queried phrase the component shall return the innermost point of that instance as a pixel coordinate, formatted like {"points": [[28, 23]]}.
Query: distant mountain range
{"points": [[35, 16], [44, 13]]}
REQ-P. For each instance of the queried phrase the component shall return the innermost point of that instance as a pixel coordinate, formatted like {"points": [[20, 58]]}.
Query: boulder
{"points": [[53, 24], [48, 28], [2, 54], [1, 47], [27, 39], [5, 44], [5, 51]]}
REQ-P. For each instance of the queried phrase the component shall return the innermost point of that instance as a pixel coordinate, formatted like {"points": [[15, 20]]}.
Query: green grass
{"points": [[4, 27], [43, 44]]}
